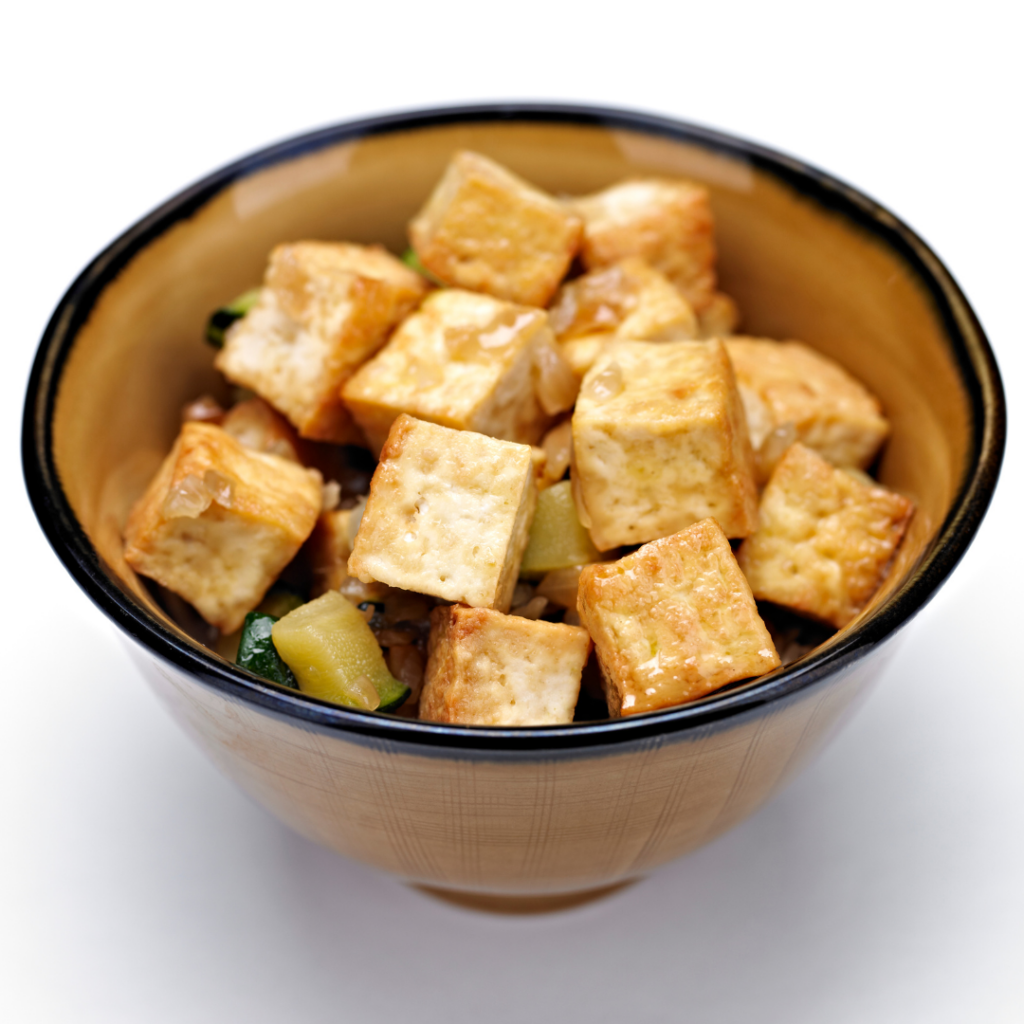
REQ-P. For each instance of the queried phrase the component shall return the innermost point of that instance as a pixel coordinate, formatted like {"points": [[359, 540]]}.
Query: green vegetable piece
{"points": [[221, 319], [257, 653], [331, 649], [412, 261], [558, 540]]}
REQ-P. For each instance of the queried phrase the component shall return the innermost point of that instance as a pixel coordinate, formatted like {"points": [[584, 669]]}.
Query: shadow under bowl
{"points": [[530, 812]]}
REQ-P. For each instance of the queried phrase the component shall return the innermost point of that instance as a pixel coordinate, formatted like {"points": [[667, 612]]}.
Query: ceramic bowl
{"points": [[530, 812]]}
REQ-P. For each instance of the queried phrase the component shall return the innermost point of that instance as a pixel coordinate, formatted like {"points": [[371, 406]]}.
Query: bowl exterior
{"points": [[512, 823], [532, 812]]}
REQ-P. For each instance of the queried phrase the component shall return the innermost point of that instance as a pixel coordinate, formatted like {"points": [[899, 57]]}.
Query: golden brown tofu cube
{"points": [[485, 668], [463, 360], [255, 424], [793, 386], [825, 538], [667, 223], [626, 300], [219, 522], [660, 442], [324, 309], [448, 515], [485, 229], [673, 621]]}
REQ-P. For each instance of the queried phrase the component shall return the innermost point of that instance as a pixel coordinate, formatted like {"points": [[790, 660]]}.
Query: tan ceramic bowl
{"points": [[536, 811]]}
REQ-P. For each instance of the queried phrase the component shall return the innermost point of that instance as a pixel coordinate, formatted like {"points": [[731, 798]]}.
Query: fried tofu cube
{"points": [[485, 229], [485, 668], [673, 621], [825, 538], [668, 223], [255, 424], [463, 360], [626, 300], [448, 515], [325, 308], [826, 408], [660, 442], [219, 522]]}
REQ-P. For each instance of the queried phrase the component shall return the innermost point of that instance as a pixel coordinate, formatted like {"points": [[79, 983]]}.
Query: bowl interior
{"points": [[797, 268]]}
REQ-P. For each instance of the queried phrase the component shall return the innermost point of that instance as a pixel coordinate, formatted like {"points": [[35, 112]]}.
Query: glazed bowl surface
{"points": [[529, 811]]}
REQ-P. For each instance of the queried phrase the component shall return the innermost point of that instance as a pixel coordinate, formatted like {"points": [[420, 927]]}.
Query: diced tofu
{"points": [[829, 410], [219, 522], [719, 318], [825, 538], [463, 360], [448, 515], [660, 442], [485, 668], [254, 424], [673, 621], [626, 300], [667, 223], [325, 308], [485, 229]]}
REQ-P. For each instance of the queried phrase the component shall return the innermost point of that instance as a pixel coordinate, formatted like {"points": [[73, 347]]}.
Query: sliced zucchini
{"points": [[257, 653], [221, 319], [558, 540], [331, 649]]}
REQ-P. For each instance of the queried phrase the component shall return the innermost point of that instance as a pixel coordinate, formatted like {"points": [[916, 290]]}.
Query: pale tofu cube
{"points": [[673, 621], [667, 223], [485, 229], [719, 318], [448, 515], [219, 522], [626, 300], [463, 360], [809, 395], [660, 442], [825, 538], [325, 308], [255, 424], [486, 668]]}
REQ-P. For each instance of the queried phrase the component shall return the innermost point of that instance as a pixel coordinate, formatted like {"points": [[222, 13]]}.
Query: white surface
{"points": [[137, 885]]}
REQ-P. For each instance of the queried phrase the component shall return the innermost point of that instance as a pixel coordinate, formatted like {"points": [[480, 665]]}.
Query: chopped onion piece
{"points": [[606, 384], [406, 664], [220, 487], [331, 495], [772, 449], [557, 445], [205, 409], [353, 521], [555, 383], [188, 498], [365, 693], [533, 609], [561, 586]]}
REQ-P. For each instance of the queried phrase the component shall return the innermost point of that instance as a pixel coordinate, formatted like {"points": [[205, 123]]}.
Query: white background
{"points": [[137, 885]]}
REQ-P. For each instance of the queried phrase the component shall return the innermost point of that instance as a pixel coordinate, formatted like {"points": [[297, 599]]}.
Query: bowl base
{"points": [[546, 903]]}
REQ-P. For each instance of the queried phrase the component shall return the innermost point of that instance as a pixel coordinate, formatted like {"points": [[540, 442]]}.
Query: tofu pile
{"points": [[526, 338]]}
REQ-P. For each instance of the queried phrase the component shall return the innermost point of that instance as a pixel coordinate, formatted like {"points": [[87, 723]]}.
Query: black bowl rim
{"points": [[973, 355]]}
